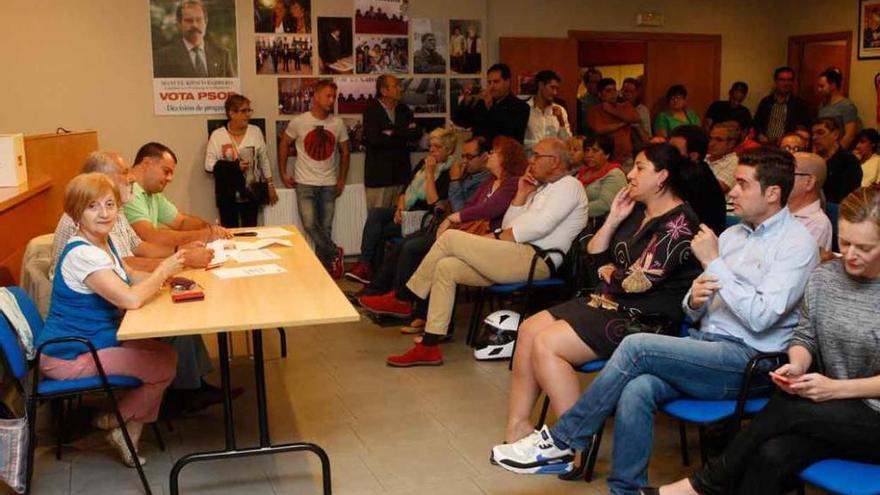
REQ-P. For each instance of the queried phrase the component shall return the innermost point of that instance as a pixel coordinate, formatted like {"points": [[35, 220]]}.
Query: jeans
{"points": [[644, 372], [399, 265], [787, 436], [316, 206], [379, 227]]}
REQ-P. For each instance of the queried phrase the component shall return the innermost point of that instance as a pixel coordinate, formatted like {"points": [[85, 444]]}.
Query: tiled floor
{"points": [[387, 431]]}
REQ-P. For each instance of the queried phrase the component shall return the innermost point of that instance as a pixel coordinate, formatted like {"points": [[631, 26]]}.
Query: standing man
{"points": [[844, 169], [191, 54], [426, 60], [496, 111], [591, 78], [805, 200], [613, 119], [781, 111], [389, 126], [320, 170], [732, 109], [546, 119], [836, 106]]}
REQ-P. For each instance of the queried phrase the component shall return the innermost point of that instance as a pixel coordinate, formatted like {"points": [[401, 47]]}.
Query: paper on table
{"points": [[253, 255], [273, 232], [222, 249], [248, 271], [262, 243]]}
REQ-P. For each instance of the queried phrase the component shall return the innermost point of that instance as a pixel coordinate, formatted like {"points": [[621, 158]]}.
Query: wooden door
{"points": [[526, 56], [811, 54], [694, 63]]}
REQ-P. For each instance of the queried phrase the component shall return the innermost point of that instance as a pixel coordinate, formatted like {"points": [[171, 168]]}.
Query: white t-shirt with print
{"points": [[84, 260], [317, 150]]}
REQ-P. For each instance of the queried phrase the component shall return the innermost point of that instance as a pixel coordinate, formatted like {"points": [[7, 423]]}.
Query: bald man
{"points": [[804, 202]]}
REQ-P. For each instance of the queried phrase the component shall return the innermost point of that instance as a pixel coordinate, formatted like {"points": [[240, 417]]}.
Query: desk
{"points": [[305, 295]]}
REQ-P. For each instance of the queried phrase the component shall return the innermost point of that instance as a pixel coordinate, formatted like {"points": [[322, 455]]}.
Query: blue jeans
{"points": [[379, 227], [644, 372], [316, 206]]}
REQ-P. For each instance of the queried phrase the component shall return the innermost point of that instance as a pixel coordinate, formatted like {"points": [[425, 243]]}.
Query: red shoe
{"points": [[419, 355], [361, 272], [386, 304], [336, 268]]}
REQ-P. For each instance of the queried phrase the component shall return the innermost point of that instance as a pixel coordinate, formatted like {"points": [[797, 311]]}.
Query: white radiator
{"points": [[348, 220]]}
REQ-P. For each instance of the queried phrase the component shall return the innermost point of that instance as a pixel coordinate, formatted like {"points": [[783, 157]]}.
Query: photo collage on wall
{"points": [[380, 38]]}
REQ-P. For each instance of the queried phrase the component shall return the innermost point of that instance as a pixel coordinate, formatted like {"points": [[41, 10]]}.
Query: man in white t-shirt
{"points": [[320, 170]]}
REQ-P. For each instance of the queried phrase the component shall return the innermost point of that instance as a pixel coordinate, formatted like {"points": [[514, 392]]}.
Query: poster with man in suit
{"points": [[195, 56]]}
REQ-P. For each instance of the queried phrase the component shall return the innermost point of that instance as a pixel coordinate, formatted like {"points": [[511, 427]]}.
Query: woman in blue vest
{"points": [[91, 289]]}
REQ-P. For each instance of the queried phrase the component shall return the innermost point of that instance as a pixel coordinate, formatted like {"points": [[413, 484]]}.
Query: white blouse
{"points": [[221, 146]]}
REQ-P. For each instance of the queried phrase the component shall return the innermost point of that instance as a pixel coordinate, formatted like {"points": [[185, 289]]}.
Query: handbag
{"points": [[14, 437], [637, 322], [476, 227], [258, 190]]}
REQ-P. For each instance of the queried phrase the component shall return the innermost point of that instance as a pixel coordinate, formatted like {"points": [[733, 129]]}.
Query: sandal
{"points": [[117, 441]]}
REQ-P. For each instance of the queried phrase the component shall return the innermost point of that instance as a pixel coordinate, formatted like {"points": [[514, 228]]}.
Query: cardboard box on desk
{"points": [[13, 165]]}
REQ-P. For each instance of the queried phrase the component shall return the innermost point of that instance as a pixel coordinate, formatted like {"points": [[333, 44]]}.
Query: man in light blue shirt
{"points": [[746, 298]]}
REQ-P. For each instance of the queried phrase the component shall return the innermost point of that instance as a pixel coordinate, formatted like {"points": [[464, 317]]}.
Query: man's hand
{"points": [[288, 181], [218, 232], [340, 187], [192, 245], [705, 245], [273, 194], [557, 112], [197, 257], [703, 288], [526, 185], [456, 171]]}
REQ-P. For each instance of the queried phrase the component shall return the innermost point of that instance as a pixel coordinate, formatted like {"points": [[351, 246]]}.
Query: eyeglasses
{"points": [[802, 174], [469, 156], [791, 148], [244, 110], [538, 155]]}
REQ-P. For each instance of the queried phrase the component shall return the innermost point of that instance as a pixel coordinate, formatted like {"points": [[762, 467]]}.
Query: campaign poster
{"points": [[195, 55]]}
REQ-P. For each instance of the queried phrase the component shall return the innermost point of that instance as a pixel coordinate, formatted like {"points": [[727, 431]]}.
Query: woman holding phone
{"points": [[238, 158]]}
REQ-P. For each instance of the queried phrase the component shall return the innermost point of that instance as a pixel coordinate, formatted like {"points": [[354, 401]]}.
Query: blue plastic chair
{"points": [[709, 412], [53, 390], [844, 477]]}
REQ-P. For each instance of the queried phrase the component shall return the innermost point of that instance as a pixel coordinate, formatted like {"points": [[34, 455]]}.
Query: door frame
{"points": [[796, 49]]}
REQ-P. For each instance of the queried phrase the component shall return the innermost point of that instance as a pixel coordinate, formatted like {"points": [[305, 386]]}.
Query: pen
{"points": [[245, 234]]}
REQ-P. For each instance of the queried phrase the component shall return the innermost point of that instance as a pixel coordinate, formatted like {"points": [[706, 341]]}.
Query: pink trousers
{"points": [[152, 362]]}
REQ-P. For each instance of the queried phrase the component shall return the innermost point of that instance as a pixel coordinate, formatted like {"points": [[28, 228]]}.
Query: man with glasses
{"points": [[781, 111], [547, 212], [466, 176], [722, 158], [805, 200], [793, 142]]}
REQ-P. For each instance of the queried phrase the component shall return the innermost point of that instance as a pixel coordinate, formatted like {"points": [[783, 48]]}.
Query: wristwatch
{"points": [[497, 232]]}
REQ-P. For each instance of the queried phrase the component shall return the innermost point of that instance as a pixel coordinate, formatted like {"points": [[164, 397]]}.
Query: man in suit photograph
{"points": [[191, 53]]}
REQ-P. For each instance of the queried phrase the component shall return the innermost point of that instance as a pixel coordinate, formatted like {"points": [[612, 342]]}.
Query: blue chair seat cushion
{"points": [[515, 286], [845, 477], [54, 387], [709, 411], [592, 366]]}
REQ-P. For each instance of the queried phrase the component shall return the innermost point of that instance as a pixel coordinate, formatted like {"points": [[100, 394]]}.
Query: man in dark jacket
{"points": [[781, 111], [496, 111], [388, 126]]}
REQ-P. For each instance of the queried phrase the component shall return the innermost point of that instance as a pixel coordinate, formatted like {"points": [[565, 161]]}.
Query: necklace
{"points": [[236, 133]]}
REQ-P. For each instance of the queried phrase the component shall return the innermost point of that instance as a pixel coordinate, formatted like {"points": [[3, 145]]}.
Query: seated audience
{"points": [[481, 215], [428, 186], [548, 212], [746, 298], [730, 109], [630, 92], [744, 141], [234, 172], [466, 176], [601, 177], [613, 119], [805, 201], [844, 169], [702, 189], [496, 110], [645, 267], [836, 106], [676, 113], [149, 210], [722, 158], [91, 289], [781, 111], [793, 142], [546, 118], [828, 405], [865, 150]]}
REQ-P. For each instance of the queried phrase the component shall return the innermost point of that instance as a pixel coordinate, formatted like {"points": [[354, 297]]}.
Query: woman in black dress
{"points": [[645, 267]]}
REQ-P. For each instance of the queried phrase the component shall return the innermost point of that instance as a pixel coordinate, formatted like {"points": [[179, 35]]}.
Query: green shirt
{"points": [[154, 208], [665, 121]]}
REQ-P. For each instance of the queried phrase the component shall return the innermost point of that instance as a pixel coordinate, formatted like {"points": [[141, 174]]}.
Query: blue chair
{"points": [[710, 412], [51, 390], [844, 477]]}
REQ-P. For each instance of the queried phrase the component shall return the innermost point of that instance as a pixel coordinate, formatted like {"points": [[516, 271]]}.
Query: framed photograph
{"points": [[295, 94], [430, 46], [381, 55], [424, 94], [335, 45], [460, 88], [381, 17], [280, 54], [869, 29], [283, 16], [355, 94], [465, 46], [355, 126]]}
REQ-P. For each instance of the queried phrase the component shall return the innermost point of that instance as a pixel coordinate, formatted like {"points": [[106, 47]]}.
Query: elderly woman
{"points": [[828, 405], [481, 215], [601, 177], [91, 289], [237, 156], [677, 113], [645, 268], [428, 186]]}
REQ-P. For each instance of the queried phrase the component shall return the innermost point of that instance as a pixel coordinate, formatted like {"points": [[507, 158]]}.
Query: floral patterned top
{"points": [[653, 268]]}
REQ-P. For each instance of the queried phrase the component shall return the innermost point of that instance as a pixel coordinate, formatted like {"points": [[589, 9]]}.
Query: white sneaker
{"points": [[534, 454]]}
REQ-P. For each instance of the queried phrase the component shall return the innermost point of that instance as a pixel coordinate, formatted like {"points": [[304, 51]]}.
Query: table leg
{"points": [[265, 448]]}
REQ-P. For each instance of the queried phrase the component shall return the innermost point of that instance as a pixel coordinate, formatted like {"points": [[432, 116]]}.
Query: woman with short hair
{"points": [[676, 113]]}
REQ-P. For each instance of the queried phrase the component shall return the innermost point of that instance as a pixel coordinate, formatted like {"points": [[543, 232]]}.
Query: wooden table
{"points": [[304, 295]]}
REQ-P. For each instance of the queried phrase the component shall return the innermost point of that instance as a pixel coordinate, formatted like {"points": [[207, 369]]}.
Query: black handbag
{"points": [[258, 190]]}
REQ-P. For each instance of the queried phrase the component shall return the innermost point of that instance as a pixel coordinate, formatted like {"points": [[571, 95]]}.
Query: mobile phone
{"points": [[245, 234], [780, 378]]}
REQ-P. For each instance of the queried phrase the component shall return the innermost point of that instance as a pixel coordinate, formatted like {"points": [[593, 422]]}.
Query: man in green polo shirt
{"points": [[151, 214]]}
